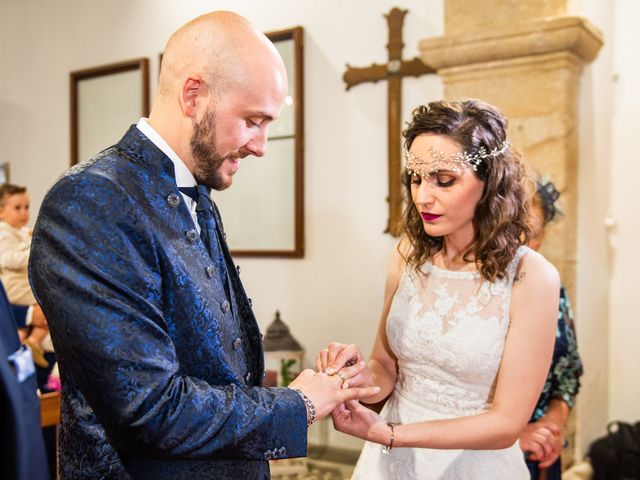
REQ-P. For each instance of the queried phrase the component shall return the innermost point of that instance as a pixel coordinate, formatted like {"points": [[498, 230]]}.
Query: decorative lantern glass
{"points": [[283, 354]]}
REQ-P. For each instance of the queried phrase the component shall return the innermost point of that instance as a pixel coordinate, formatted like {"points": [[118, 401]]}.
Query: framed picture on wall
{"points": [[273, 184], [4, 172], [105, 100]]}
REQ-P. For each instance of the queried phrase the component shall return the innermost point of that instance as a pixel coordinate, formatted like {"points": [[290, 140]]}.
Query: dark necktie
{"points": [[208, 229]]}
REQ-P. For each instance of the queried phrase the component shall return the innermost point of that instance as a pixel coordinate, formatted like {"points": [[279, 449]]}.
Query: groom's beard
{"points": [[208, 160]]}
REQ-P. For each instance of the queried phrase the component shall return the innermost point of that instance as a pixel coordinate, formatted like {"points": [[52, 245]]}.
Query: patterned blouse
{"points": [[563, 381]]}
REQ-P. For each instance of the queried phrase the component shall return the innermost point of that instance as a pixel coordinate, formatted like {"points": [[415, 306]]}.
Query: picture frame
{"points": [[103, 101], [4, 172], [263, 211]]}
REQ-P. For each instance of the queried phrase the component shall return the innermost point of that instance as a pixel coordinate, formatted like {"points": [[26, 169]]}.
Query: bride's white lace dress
{"points": [[447, 330]]}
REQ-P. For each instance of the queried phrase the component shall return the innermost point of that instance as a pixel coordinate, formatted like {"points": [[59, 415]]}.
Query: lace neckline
{"points": [[428, 267]]}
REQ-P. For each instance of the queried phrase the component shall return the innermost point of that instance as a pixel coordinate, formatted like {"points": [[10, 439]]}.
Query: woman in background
{"points": [[563, 381]]}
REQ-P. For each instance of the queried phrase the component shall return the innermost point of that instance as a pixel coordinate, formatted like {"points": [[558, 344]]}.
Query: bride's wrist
{"points": [[392, 436], [384, 433]]}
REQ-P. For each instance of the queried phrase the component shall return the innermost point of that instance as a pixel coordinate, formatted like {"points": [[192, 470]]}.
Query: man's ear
{"points": [[193, 91]]}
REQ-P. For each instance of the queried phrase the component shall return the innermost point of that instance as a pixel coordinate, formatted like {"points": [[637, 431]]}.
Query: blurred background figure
{"points": [[15, 245], [563, 382], [30, 322], [22, 455]]}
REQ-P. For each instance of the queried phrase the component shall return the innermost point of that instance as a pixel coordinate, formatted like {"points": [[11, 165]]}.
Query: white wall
{"points": [[625, 209], [594, 184], [609, 224]]}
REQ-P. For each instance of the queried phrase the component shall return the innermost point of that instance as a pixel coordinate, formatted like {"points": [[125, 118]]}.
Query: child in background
{"points": [[15, 244]]}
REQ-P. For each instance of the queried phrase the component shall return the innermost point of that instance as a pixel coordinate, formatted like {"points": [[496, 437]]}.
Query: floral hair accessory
{"points": [[455, 162]]}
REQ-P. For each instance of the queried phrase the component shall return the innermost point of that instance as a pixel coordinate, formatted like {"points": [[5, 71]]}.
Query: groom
{"points": [[160, 355]]}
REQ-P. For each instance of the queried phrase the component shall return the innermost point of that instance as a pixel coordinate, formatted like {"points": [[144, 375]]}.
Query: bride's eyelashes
{"points": [[442, 180]]}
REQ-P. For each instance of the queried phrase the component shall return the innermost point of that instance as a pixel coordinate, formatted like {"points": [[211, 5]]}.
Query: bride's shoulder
{"points": [[398, 258], [396, 265], [401, 251], [535, 279], [536, 267], [403, 247]]}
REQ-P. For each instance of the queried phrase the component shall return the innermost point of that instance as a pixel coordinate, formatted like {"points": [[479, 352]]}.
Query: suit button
{"points": [[238, 269], [210, 271], [267, 455], [247, 377], [237, 343], [282, 452], [192, 236], [250, 302], [225, 306], [173, 200]]}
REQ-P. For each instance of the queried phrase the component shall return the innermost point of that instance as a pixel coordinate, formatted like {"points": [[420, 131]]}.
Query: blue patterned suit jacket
{"points": [[159, 371]]}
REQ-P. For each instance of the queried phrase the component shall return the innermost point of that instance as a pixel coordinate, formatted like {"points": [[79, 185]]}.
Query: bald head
{"points": [[222, 83], [222, 47]]}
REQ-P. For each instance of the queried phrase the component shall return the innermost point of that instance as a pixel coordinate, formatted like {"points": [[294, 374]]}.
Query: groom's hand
{"points": [[326, 391]]}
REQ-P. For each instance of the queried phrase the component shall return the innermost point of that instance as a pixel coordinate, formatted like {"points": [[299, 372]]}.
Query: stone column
{"points": [[526, 58], [529, 68]]}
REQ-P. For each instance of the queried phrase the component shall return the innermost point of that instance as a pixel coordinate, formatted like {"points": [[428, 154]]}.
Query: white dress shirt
{"points": [[184, 178]]}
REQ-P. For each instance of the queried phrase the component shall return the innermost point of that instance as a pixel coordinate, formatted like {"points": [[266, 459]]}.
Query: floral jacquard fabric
{"points": [[160, 370], [563, 381], [447, 329]]}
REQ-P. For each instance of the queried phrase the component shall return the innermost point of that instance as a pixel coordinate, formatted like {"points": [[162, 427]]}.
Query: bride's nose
{"points": [[424, 194]]}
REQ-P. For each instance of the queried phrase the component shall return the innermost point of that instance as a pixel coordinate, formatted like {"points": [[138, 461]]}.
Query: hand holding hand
{"points": [[347, 362], [544, 440], [326, 392], [354, 419]]}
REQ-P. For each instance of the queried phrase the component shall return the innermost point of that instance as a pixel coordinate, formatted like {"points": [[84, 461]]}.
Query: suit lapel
{"points": [[136, 146]]}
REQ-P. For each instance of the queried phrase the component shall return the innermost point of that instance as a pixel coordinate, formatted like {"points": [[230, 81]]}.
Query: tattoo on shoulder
{"points": [[520, 276]]}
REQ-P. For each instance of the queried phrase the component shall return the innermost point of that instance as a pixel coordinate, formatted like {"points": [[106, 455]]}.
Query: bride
{"points": [[468, 322]]}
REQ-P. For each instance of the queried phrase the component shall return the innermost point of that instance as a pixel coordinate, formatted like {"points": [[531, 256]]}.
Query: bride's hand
{"points": [[338, 355], [347, 362], [354, 419]]}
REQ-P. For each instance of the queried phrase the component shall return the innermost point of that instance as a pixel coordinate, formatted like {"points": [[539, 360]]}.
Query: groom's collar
{"points": [[184, 178]]}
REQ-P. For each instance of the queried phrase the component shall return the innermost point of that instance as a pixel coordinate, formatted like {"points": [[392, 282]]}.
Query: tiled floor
{"points": [[317, 470]]}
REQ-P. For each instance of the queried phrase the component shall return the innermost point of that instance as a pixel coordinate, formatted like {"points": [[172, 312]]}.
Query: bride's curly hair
{"points": [[501, 218]]}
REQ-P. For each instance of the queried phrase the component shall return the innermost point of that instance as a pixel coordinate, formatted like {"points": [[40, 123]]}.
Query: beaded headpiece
{"points": [[454, 162]]}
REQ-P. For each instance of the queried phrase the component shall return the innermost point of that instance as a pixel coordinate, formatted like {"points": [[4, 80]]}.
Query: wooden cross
{"points": [[392, 71]]}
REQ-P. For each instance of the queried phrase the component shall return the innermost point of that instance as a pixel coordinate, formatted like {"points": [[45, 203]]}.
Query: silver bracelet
{"points": [[311, 410], [388, 448]]}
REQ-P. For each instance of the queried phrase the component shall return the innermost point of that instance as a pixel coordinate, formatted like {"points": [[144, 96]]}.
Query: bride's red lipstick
{"points": [[428, 217]]}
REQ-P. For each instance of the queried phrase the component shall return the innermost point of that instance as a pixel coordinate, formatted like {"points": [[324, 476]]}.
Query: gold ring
{"points": [[338, 374], [351, 362]]}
